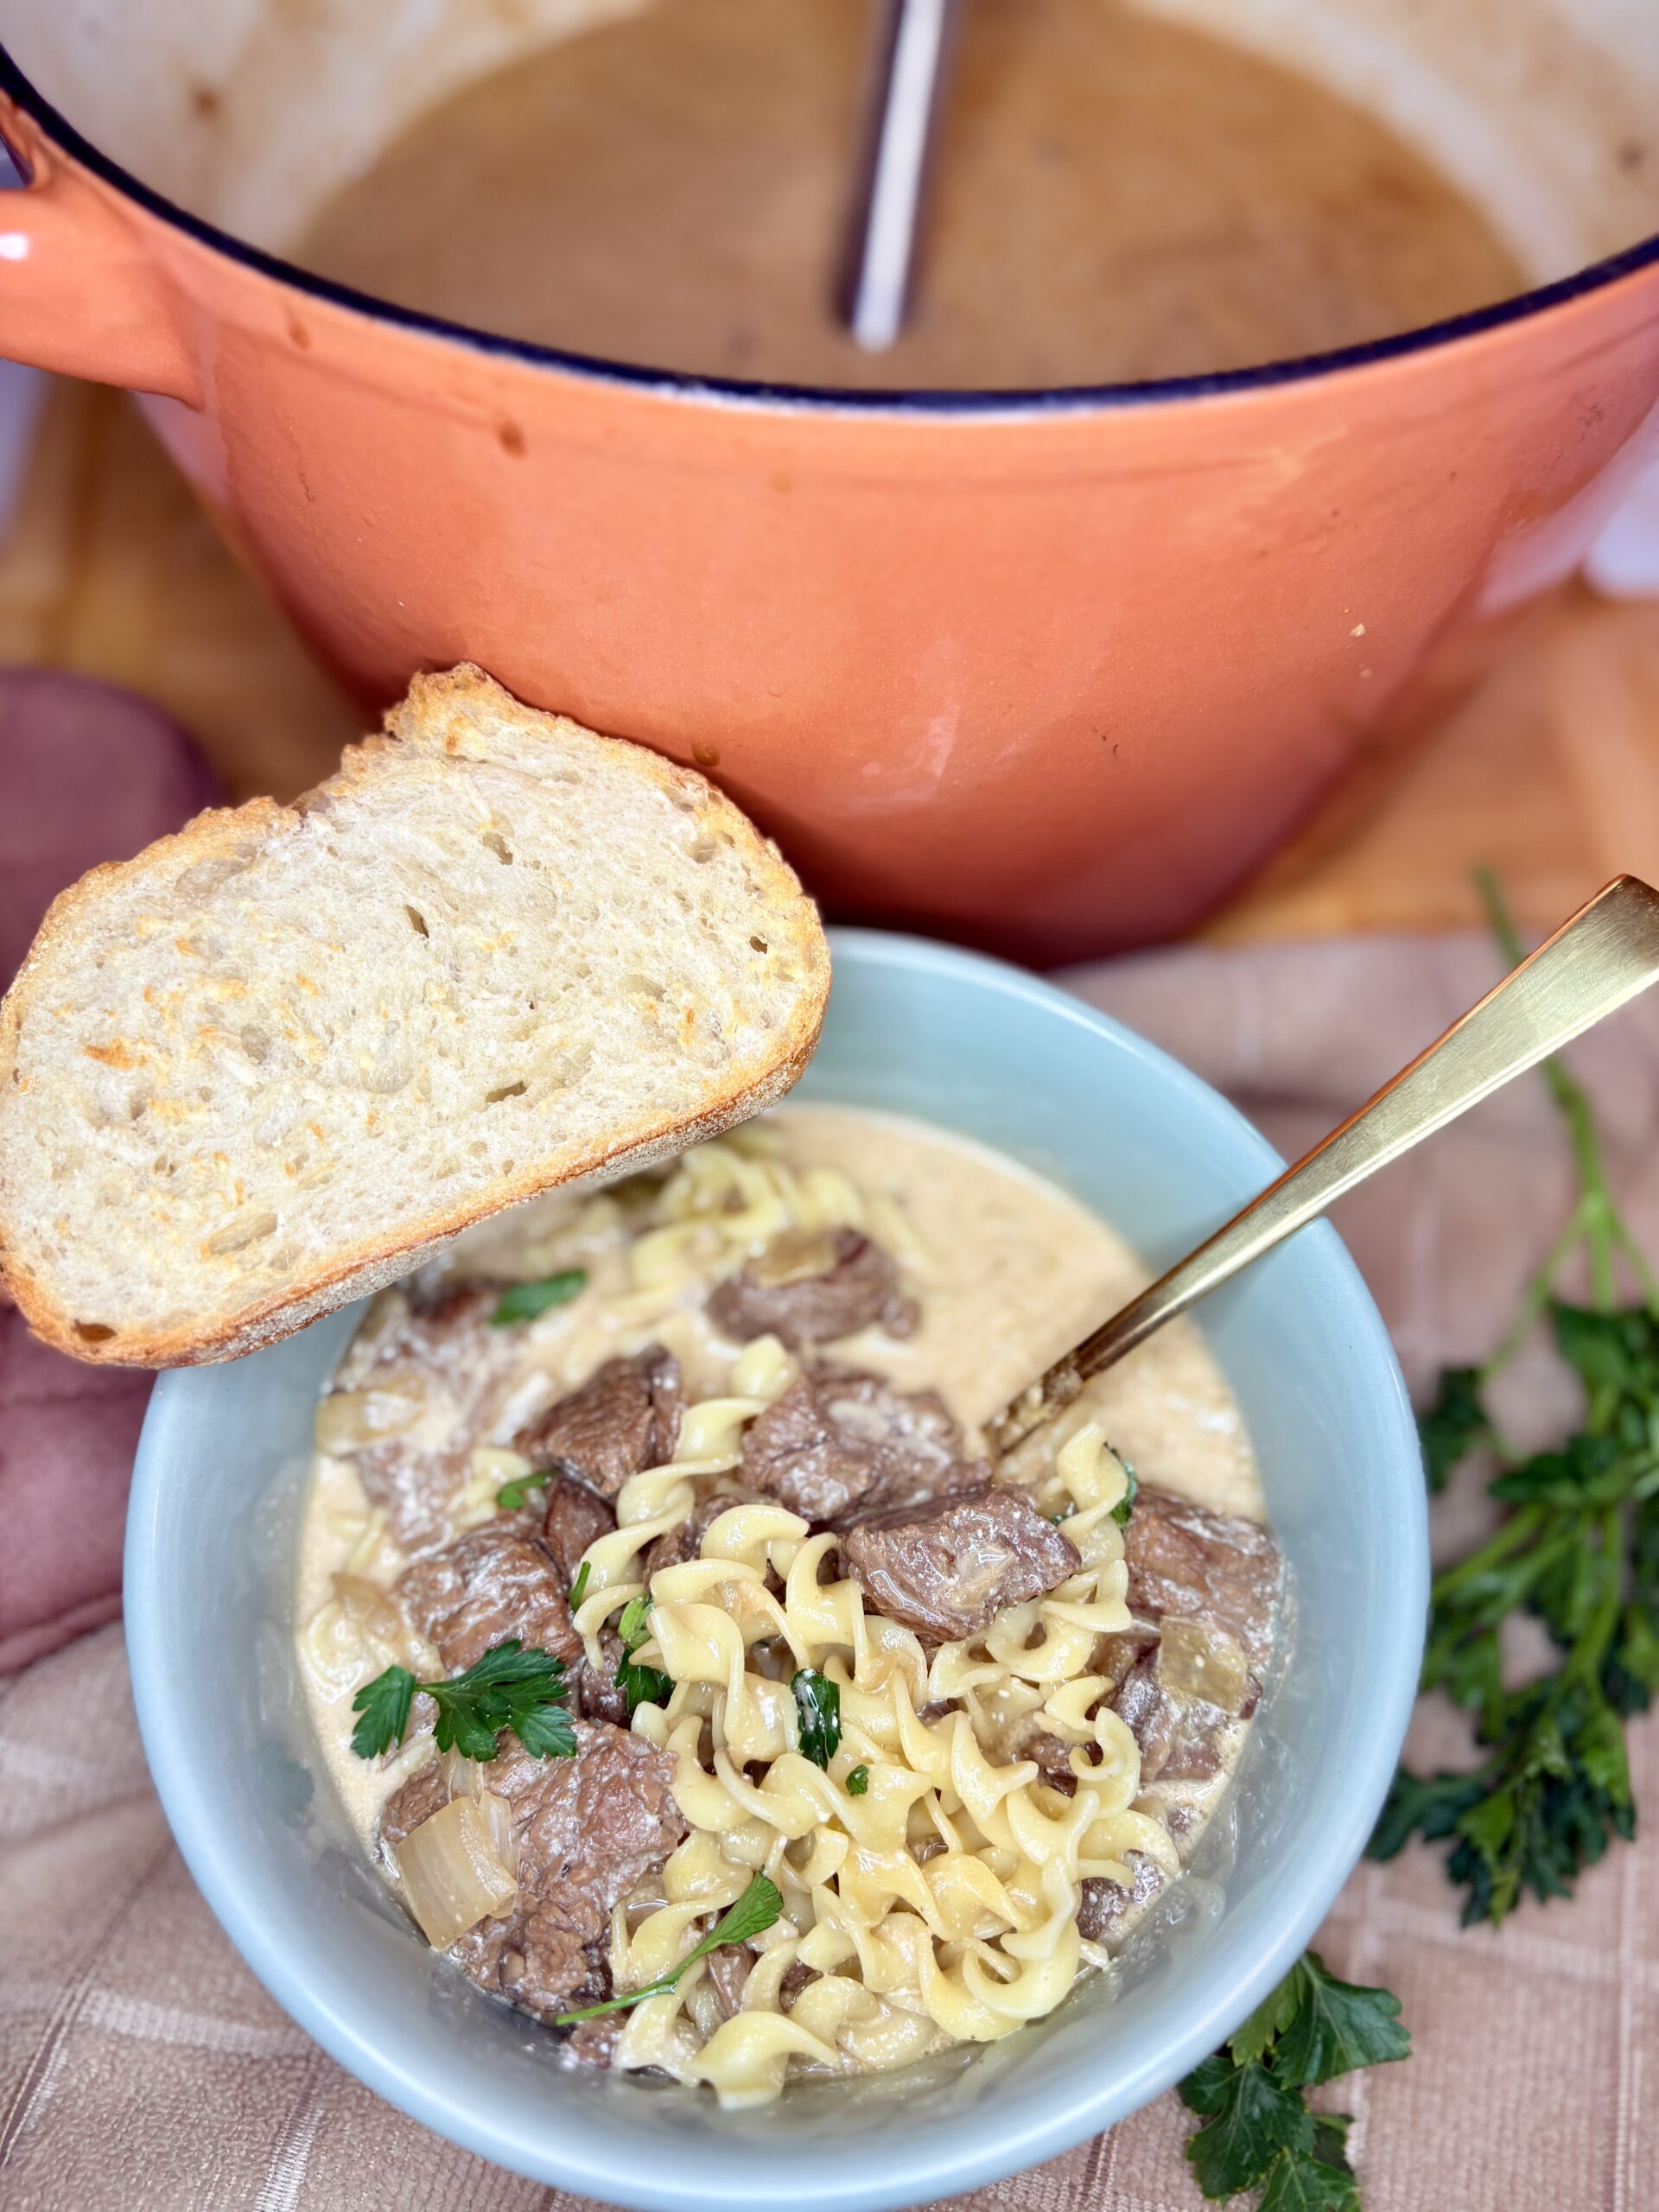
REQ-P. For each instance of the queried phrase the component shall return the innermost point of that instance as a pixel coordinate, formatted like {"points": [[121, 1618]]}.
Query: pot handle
{"points": [[80, 292]]}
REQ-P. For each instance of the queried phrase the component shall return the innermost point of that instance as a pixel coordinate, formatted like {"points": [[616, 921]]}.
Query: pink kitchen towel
{"points": [[87, 773]]}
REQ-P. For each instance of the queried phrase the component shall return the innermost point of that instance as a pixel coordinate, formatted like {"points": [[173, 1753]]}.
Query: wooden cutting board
{"points": [[1533, 748]]}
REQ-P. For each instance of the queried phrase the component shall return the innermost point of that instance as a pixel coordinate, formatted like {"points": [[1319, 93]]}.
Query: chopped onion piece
{"points": [[794, 1255], [504, 1836], [464, 1776], [346, 1421], [1196, 1661], [457, 1868], [373, 1610]]}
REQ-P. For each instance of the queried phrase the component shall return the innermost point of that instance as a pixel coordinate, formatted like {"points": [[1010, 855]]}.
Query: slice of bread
{"points": [[283, 1056]]}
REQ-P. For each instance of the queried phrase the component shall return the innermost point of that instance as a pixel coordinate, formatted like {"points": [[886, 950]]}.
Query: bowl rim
{"points": [[1012, 405], [894, 2169]]}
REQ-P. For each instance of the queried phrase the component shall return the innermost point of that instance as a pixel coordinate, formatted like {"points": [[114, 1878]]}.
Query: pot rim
{"points": [[819, 399]]}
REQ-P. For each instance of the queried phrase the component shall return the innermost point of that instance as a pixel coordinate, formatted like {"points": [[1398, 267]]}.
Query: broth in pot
{"points": [[1118, 197]]}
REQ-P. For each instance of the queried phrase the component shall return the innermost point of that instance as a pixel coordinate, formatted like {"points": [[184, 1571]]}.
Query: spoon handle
{"points": [[909, 96], [1604, 955]]}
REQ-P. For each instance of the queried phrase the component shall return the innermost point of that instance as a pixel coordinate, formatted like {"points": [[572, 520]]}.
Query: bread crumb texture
{"points": [[283, 1056]]}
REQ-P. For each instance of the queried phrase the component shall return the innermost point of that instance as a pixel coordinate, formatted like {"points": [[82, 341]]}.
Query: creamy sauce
{"points": [[1008, 1270], [1117, 198]]}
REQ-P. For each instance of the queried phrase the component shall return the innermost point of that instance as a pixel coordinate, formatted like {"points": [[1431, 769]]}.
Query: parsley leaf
{"points": [[817, 1702], [1258, 2132], [1453, 1425], [1299, 2182], [1335, 2026], [1270, 2019], [383, 1705], [858, 1781], [515, 1494], [523, 1301], [635, 1627], [1251, 2118], [1331, 2141], [1125, 1505], [507, 1687], [754, 1913], [579, 1587], [639, 1685], [643, 1685]]}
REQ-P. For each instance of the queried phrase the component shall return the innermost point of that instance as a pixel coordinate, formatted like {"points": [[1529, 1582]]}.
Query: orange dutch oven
{"points": [[1049, 671]]}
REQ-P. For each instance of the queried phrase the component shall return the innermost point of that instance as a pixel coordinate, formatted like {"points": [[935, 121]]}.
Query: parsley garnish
{"points": [[1453, 1425], [1257, 2131], [635, 1627], [639, 1685], [817, 1701], [754, 1912], [507, 1687], [1578, 1548], [579, 1587], [525, 1301], [1125, 1505], [512, 1495], [858, 1781]]}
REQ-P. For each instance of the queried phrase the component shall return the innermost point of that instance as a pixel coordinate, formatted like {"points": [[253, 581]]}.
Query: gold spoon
{"points": [[1604, 955]]}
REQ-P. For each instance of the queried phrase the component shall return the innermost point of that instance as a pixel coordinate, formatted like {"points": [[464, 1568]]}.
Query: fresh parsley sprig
{"points": [[1578, 1548], [1257, 2131], [509, 1686], [524, 1302], [754, 1913]]}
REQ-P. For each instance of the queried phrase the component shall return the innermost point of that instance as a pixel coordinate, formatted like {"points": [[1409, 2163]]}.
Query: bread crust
{"points": [[440, 703]]}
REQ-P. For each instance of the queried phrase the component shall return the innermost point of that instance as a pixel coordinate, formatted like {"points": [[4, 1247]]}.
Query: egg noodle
{"points": [[940, 1903]]}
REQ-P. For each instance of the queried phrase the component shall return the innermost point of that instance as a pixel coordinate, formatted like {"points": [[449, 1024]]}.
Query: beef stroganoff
{"points": [[697, 1680]]}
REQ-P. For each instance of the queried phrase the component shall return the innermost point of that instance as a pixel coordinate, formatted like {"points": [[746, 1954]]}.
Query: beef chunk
{"points": [[500, 1580], [576, 1517], [592, 2042], [796, 1977], [1107, 1906], [840, 1440], [426, 1792], [729, 1969], [587, 1829], [1031, 1740], [495, 1582], [1114, 1655], [442, 1357], [1181, 1739], [624, 1417], [809, 1289], [1186, 1563], [948, 1567], [1205, 1585], [599, 1694], [676, 1545]]}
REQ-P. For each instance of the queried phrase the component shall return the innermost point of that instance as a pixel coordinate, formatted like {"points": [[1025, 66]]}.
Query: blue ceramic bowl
{"points": [[916, 1029]]}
